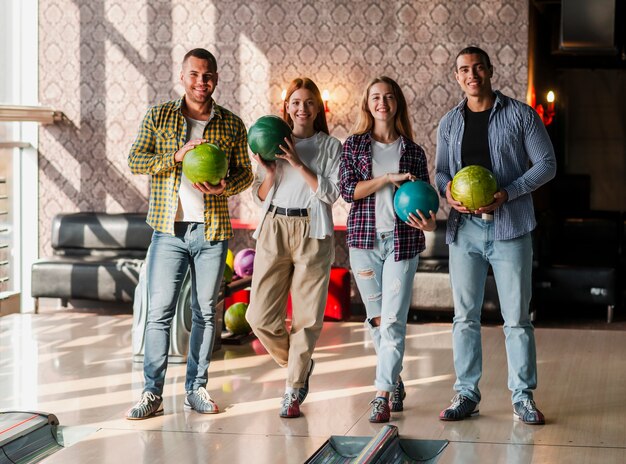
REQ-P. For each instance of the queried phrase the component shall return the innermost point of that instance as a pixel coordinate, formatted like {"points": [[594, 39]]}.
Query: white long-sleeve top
{"points": [[326, 166]]}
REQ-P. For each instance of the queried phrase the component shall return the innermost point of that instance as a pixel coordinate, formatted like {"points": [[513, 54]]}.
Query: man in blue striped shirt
{"points": [[507, 137]]}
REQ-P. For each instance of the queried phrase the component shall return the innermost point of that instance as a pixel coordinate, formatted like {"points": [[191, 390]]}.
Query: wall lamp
{"points": [[283, 103], [325, 98], [546, 115]]}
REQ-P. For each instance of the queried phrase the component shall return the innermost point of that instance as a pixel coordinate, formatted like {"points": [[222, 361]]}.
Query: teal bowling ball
{"points": [[415, 195]]}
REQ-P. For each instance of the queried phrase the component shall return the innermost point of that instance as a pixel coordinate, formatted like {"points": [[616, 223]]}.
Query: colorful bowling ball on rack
{"points": [[235, 319], [244, 262]]}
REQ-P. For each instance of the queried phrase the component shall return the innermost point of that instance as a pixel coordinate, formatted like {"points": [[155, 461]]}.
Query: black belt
{"points": [[289, 211]]}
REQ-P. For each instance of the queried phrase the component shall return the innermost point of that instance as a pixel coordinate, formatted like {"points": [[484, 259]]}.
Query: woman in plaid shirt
{"points": [[377, 159]]}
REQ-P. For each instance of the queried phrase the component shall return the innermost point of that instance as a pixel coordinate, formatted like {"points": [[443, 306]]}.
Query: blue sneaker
{"points": [[527, 412], [397, 397], [461, 408], [304, 390]]}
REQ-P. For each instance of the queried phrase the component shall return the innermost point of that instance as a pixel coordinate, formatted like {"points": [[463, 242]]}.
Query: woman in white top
{"points": [[295, 246]]}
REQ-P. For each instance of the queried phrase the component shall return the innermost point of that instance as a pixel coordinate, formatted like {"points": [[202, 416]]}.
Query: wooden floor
{"points": [[78, 366]]}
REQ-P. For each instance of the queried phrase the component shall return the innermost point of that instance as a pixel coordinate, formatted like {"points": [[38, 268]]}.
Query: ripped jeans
{"points": [[385, 286]]}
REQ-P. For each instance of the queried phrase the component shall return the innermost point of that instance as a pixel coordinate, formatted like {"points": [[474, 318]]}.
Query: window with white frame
{"points": [[18, 155]]}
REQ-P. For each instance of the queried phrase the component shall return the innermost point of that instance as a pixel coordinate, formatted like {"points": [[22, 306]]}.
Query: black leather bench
{"points": [[581, 264], [97, 256]]}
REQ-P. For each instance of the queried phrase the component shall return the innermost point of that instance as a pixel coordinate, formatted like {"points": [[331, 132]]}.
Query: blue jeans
{"points": [[385, 286], [473, 250], [170, 256]]}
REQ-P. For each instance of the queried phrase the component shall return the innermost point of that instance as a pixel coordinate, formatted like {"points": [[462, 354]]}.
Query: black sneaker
{"points": [[304, 390], [460, 408], [397, 397], [149, 405], [527, 412]]}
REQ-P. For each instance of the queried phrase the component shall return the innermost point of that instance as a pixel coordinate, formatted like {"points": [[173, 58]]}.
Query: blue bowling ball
{"points": [[415, 195]]}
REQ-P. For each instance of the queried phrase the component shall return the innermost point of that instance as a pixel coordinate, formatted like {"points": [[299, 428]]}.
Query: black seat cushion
{"points": [[81, 233], [579, 284], [88, 278], [97, 256]]}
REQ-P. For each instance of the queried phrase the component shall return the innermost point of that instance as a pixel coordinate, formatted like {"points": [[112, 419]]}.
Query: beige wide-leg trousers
{"points": [[288, 260]]}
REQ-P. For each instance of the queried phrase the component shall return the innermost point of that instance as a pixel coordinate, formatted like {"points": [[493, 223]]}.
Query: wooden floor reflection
{"points": [[78, 366]]}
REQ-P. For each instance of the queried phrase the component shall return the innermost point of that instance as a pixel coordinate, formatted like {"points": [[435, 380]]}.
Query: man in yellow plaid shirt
{"points": [[191, 225]]}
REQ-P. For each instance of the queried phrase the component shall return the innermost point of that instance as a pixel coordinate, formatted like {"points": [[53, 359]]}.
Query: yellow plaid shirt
{"points": [[163, 132]]}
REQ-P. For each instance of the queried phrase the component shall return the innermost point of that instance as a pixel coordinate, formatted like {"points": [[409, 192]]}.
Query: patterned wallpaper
{"points": [[103, 62]]}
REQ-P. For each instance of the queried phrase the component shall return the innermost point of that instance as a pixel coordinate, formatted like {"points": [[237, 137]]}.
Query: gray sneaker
{"points": [[149, 405], [199, 400]]}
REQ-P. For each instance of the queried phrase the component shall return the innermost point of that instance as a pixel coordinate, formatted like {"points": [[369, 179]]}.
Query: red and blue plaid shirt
{"points": [[356, 166]]}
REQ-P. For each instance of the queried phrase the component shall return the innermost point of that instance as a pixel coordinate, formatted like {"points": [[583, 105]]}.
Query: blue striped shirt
{"points": [[522, 157]]}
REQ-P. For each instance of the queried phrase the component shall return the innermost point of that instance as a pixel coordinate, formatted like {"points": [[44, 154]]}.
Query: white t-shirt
{"points": [[293, 191], [190, 200], [385, 159]]}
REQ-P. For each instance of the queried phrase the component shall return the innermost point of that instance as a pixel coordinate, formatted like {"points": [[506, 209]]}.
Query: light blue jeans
{"points": [[473, 250], [170, 256], [385, 286]]}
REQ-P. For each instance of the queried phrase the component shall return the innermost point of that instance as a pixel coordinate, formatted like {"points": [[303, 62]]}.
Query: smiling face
{"points": [[381, 102], [199, 80], [303, 109], [473, 75]]}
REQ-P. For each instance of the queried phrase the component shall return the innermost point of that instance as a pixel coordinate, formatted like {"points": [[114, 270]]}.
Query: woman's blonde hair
{"points": [[320, 123], [365, 120]]}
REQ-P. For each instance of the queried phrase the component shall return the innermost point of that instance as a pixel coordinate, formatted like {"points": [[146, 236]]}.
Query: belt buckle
{"points": [[487, 217]]}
